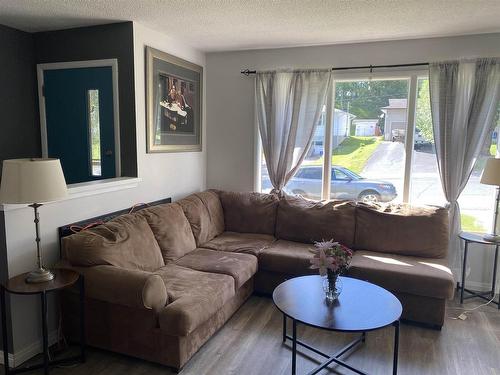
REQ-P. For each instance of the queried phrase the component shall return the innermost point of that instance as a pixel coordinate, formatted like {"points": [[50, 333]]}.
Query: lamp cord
{"points": [[466, 311]]}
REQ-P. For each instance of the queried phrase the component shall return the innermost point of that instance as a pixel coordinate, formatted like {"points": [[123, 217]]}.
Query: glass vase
{"points": [[332, 286]]}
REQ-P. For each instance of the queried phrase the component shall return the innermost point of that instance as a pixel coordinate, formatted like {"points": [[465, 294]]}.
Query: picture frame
{"points": [[174, 99]]}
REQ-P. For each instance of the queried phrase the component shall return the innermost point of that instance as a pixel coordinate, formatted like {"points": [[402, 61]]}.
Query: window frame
{"points": [[113, 63]]}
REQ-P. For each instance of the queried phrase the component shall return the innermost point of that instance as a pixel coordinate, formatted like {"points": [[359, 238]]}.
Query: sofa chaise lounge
{"points": [[160, 282]]}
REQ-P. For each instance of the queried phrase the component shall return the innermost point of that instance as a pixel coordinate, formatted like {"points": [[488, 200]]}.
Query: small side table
{"points": [[478, 238], [18, 285]]}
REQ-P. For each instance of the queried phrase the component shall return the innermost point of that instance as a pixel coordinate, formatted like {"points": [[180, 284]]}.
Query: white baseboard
{"points": [[21, 356]]}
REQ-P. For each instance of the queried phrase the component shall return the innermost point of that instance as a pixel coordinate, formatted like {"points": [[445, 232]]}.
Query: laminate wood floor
{"points": [[250, 344]]}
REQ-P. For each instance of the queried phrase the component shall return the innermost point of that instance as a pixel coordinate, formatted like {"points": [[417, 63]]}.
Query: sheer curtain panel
{"points": [[288, 108], [464, 100]]}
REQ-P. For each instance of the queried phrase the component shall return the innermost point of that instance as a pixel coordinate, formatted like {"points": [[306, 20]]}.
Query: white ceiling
{"points": [[215, 25]]}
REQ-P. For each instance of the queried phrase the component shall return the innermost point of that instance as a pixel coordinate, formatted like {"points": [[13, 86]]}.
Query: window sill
{"points": [[85, 189]]}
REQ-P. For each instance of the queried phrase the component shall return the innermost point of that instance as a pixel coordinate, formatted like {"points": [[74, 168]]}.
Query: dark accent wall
{"points": [[4, 275], [19, 120], [111, 41], [19, 112]]}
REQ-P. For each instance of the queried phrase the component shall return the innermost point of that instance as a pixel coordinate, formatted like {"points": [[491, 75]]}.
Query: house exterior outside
{"points": [[395, 117], [342, 125], [365, 127]]}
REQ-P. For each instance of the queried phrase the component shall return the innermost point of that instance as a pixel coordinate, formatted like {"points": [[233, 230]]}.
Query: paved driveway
{"points": [[387, 163], [389, 156]]}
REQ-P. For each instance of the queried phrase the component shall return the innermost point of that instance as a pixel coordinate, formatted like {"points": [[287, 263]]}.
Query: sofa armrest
{"points": [[133, 288]]}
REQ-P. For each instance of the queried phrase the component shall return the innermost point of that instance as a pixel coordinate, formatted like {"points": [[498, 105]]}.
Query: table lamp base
{"points": [[492, 237], [40, 275]]}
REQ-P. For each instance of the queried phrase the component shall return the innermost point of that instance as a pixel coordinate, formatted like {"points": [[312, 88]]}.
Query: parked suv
{"points": [[346, 184]]}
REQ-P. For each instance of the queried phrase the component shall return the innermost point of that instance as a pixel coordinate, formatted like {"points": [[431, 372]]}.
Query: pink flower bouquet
{"points": [[331, 259], [331, 256]]}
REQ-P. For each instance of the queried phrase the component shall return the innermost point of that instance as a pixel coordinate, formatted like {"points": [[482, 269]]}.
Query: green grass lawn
{"points": [[96, 151], [352, 153], [470, 224]]}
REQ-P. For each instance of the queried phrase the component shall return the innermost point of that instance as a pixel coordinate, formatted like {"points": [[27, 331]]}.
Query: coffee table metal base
{"points": [[335, 357]]}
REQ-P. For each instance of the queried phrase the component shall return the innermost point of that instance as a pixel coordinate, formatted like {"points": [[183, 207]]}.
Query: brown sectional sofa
{"points": [[161, 281]]}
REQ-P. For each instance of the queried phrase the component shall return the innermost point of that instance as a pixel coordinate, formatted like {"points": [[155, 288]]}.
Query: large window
{"points": [[382, 149], [369, 131]]}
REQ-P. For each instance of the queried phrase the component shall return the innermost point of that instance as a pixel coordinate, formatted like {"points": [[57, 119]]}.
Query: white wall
{"points": [[175, 174], [230, 98], [163, 175]]}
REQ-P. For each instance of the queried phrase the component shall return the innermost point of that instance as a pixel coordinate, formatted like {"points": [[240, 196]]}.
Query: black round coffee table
{"points": [[361, 307]]}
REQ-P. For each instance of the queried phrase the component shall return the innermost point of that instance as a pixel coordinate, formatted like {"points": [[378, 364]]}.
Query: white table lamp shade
{"points": [[27, 181], [491, 173]]}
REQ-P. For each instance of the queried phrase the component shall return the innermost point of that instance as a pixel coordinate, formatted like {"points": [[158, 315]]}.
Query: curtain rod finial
{"points": [[247, 72]]}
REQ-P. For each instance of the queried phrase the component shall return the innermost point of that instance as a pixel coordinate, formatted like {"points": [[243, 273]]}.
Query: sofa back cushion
{"points": [[308, 221], [171, 229], [126, 241], [205, 215], [249, 212], [403, 229]]}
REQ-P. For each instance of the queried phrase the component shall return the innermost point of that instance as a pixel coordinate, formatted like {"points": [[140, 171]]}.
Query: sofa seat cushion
{"points": [[292, 258], [204, 213], [250, 243], [193, 296], [426, 277], [171, 229], [237, 265]]}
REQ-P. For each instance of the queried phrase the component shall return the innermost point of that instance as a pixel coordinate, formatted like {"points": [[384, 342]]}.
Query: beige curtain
{"points": [[288, 107], [464, 101]]}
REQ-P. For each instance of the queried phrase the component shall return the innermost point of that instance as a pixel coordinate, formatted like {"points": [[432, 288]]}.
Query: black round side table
{"points": [[468, 238], [18, 285]]}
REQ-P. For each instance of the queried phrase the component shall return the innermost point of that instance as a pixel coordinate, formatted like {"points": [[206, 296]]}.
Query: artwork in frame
{"points": [[174, 103]]}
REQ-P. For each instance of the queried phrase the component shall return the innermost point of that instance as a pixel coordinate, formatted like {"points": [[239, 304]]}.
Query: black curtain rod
{"points": [[247, 72]]}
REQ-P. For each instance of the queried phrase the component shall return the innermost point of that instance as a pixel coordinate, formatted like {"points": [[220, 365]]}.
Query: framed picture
{"points": [[173, 100]]}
